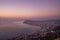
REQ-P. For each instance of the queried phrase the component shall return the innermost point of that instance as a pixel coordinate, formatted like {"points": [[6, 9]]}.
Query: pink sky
{"points": [[29, 8]]}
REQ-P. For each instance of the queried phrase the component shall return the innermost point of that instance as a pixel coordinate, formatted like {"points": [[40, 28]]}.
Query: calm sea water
{"points": [[15, 28]]}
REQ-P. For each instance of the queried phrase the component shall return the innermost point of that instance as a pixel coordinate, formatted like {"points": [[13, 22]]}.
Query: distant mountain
{"points": [[39, 21], [43, 20]]}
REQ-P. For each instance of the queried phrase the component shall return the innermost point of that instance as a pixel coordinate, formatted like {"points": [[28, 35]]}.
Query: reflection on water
{"points": [[12, 29]]}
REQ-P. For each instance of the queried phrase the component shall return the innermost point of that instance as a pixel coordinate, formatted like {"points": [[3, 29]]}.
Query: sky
{"points": [[30, 8]]}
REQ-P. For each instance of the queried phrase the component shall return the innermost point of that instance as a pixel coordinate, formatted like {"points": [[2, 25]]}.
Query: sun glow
{"points": [[28, 9]]}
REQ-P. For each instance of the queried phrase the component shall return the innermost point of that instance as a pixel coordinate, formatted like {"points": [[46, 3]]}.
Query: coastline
{"points": [[48, 31]]}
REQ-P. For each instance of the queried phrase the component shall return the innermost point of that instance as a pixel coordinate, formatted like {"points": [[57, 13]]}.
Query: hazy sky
{"points": [[30, 8]]}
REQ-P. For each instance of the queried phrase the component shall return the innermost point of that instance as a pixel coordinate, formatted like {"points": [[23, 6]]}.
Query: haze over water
{"points": [[15, 28]]}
